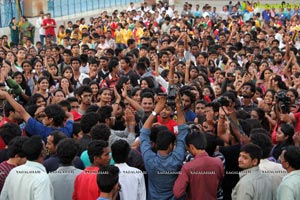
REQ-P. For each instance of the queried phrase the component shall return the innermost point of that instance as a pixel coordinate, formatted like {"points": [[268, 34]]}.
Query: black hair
{"points": [[87, 121], [65, 103], [121, 81], [189, 94], [147, 95], [100, 132], [24, 82], [281, 85], [33, 147], [15, 147], [253, 88], [149, 81], [120, 150], [104, 113], [82, 89], [211, 144], [96, 148], [288, 130], [107, 178], [164, 139], [112, 64], [66, 151], [57, 136], [9, 131], [263, 141], [254, 151], [197, 139], [7, 109], [57, 113], [262, 118], [292, 156]]}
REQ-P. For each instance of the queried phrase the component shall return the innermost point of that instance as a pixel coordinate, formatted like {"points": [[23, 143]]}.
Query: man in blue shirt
{"points": [[163, 167], [54, 119]]}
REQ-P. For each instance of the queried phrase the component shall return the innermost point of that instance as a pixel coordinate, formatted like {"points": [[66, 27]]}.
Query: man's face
{"points": [[75, 65], [74, 106], [199, 110], [246, 91], [278, 57], [86, 98], [103, 64], [75, 49], [50, 145], [104, 158], [245, 161], [186, 101], [147, 104], [166, 112]]}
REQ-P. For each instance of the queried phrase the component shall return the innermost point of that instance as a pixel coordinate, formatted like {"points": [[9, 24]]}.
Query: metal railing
{"points": [[58, 8]]}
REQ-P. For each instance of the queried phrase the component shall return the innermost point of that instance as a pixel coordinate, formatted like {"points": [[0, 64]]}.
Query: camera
{"points": [[172, 92], [284, 102], [221, 101]]}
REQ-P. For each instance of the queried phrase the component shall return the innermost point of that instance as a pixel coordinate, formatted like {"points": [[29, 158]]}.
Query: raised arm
{"points": [[18, 108]]}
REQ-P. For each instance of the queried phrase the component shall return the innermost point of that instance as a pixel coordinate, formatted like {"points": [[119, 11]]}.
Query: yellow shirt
{"points": [[79, 37], [60, 36], [138, 34], [126, 35], [118, 36]]}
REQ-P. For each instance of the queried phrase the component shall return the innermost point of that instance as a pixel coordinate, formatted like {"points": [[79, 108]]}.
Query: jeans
{"points": [[42, 39]]}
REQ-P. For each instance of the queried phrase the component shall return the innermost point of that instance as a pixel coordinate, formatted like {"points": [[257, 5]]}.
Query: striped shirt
{"points": [[4, 171]]}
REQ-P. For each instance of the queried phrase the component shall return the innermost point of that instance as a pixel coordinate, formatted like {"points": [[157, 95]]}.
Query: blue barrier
{"points": [[58, 8]]}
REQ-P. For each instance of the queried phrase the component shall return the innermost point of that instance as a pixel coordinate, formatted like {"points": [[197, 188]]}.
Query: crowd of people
{"points": [[153, 103]]}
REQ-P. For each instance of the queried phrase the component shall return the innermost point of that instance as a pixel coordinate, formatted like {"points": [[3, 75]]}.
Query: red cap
{"points": [[76, 115]]}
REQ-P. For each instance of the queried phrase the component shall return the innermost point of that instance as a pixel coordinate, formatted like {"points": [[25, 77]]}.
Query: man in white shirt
{"points": [[131, 7], [273, 169], [29, 181], [289, 187], [39, 25], [131, 179]]}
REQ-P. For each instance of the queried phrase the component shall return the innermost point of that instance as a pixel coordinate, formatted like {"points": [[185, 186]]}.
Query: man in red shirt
{"points": [[49, 25], [85, 187], [202, 175], [164, 118]]}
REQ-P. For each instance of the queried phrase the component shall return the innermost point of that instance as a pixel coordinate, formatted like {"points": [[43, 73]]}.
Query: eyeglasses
{"points": [[74, 106]]}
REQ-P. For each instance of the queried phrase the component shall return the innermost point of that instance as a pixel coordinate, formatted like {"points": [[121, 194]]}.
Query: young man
{"points": [[29, 181], [202, 169], [64, 177], [16, 158], [52, 162], [251, 178], [49, 25], [188, 98], [164, 165], [108, 182], [84, 94], [131, 179], [289, 187], [85, 187]]}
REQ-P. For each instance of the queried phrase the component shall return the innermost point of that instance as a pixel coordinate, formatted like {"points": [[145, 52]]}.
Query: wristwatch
{"points": [[154, 113]]}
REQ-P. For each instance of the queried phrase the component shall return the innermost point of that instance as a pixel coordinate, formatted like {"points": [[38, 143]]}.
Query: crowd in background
{"points": [[153, 102]]}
